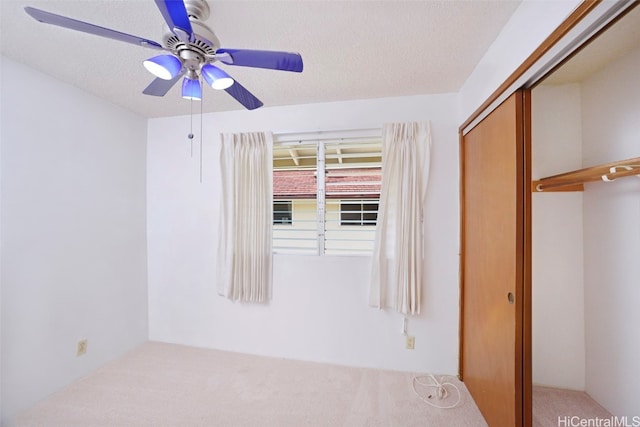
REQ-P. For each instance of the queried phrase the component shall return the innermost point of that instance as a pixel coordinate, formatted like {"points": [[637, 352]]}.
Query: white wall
{"points": [[557, 250], [320, 307], [611, 129], [73, 234], [1, 69]]}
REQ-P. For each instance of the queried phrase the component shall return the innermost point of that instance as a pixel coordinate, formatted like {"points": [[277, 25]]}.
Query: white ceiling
{"points": [[351, 49]]}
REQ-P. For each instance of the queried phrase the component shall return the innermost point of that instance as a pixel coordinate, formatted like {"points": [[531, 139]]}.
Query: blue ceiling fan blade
{"points": [[73, 24], [160, 87], [243, 96], [175, 14], [273, 60]]}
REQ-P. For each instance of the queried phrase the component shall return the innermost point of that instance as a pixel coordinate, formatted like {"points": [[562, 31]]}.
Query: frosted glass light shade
{"points": [[163, 66], [215, 77], [191, 89]]}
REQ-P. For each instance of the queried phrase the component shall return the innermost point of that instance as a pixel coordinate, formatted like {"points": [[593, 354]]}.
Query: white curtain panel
{"points": [[246, 215], [398, 262]]}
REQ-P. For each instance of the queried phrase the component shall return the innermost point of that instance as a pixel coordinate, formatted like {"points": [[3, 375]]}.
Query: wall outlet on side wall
{"points": [[82, 347]]}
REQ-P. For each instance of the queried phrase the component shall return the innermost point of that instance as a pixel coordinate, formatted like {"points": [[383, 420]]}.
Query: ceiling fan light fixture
{"points": [[165, 67], [215, 77], [191, 89]]}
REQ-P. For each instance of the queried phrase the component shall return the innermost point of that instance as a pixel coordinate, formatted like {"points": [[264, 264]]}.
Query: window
{"points": [[358, 212], [333, 187], [282, 211]]}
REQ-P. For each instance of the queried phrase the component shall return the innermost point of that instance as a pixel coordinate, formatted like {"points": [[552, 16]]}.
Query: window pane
{"points": [[282, 212], [301, 236], [370, 213], [358, 213], [294, 178]]}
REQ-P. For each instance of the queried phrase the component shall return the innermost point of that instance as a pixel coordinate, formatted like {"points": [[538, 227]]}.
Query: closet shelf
{"points": [[572, 181]]}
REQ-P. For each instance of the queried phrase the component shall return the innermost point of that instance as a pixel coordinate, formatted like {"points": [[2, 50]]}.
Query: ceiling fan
{"points": [[192, 49]]}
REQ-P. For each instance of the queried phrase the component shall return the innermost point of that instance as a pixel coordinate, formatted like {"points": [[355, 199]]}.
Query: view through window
{"points": [[326, 196]]}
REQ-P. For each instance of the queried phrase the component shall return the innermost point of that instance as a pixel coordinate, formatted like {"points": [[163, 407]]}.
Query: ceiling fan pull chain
{"points": [[190, 136], [201, 102]]}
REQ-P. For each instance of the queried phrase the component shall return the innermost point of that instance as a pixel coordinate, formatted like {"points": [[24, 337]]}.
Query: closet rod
{"points": [[572, 181], [538, 187]]}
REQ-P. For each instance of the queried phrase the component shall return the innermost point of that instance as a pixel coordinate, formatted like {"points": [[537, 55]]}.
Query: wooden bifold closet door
{"points": [[495, 263]]}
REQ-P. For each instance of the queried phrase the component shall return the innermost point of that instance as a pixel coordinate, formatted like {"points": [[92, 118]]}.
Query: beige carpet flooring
{"points": [[551, 407], [170, 385]]}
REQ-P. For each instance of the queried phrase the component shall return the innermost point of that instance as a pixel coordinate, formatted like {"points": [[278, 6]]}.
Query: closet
{"points": [[586, 221], [550, 246]]}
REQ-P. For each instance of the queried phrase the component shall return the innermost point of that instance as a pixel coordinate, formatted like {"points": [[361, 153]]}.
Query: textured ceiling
{"points": [[351, 49]]}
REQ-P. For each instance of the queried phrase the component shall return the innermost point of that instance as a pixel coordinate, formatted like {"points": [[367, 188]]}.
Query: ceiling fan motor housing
{"points": [[202, 48], [197, 9]]}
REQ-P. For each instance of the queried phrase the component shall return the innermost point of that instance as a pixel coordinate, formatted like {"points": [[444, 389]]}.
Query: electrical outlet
{"points": [[82, 347], [410, 342]]}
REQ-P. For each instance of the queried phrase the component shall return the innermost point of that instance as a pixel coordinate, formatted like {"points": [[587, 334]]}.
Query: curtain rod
{"points": [[326, 135], [321, 131]]}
